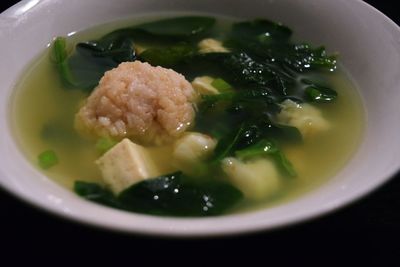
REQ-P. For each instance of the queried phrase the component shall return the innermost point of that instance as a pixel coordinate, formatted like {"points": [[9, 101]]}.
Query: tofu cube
{"points": [[126, 164]]}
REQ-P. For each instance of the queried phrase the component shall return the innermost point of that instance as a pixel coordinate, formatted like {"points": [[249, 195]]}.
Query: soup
{"points": [[188, 115]]}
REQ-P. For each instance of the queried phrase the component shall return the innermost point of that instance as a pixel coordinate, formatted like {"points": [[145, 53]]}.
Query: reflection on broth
{"points": [[255, 120]]}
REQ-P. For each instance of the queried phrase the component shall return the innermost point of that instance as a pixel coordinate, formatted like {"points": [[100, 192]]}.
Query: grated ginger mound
{"points": [[152, 105]]}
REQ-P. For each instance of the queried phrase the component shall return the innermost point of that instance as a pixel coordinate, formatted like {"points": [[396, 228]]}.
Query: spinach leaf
{"points": [[255, 117], [246, 135], [90, 60], [178, 27], [252, 109], [242, 72], [289, 132], [262, 30], [226, 145], [320, 94], [167, 57], [285, 165], [221, 85], [267, 148], [302, 58], [171, 195], [262, 148], [261, 95], [271, 42], [115, 40], [167, 195]]}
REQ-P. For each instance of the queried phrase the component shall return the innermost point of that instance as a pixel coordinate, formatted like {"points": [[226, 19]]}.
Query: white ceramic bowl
{"points": [[369, 44]]}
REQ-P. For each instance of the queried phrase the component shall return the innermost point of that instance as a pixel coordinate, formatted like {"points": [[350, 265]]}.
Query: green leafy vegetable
{"points": [[55, 131], [289, 132], [320, 94], [226, 145], [262, 30], [254, 112], [285, 164], [304, 58], [47, 159], [221, 85], [167, 57], [90, 60], [317, 92], [262, 96], [267, 148], [262, 148], [168, 195], [271, 42], [178, 27]]}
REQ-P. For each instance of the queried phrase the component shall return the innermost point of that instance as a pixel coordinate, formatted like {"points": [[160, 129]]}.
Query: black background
{"points": [[368, 229]]}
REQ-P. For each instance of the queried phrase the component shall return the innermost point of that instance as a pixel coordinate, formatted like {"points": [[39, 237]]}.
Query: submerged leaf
{"points": [[171, 195], [320, 94], [317, 92], [221, 85], [271, 42], [226, 145], [262, 148], [90, 60], [167, 195], [167, 57], [262, 30], [178, 27]]}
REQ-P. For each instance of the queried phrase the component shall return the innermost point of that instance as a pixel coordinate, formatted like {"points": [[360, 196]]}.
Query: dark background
{"points": [[368, 229]]}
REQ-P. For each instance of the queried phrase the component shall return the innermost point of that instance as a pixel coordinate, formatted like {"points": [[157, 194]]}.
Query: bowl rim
{"points": [[165, 231]]}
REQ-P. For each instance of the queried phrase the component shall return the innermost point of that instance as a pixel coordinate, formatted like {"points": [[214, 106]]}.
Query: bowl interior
{"points": [[367, 41]]}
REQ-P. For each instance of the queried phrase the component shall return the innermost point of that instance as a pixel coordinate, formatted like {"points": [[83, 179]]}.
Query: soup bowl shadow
{"points": [[368, 43]]}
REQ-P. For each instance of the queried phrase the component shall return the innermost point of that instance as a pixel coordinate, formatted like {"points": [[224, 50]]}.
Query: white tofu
{"points": [[257, 179], [211, 45], [126, 164], [191, 151], [203, 85], [305, 117]]}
